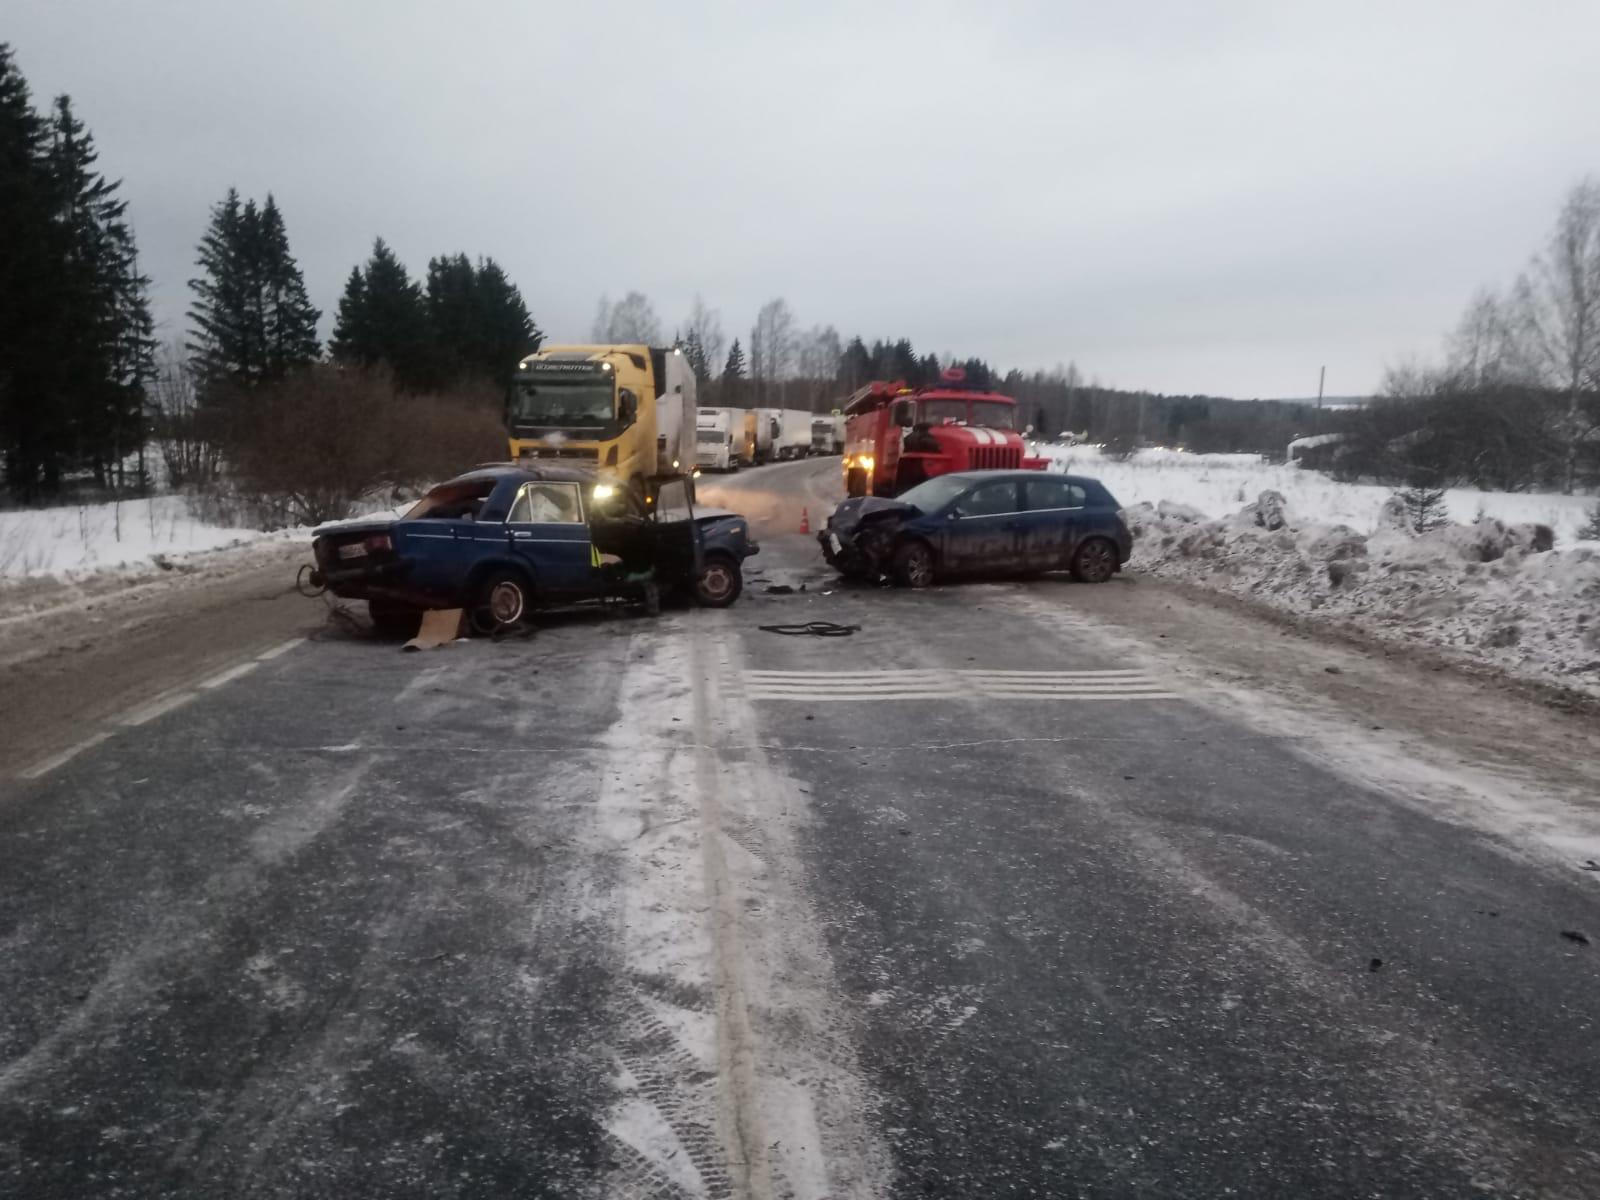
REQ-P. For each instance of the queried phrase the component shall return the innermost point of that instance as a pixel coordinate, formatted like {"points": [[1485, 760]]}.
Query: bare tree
{"points": [[1558, 302], [178, 423], [630, 320], [820, 351], [1485, 349], [772, 346]]}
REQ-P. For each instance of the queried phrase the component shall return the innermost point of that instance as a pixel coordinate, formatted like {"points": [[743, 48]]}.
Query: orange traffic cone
{"points": [[805, 520]]}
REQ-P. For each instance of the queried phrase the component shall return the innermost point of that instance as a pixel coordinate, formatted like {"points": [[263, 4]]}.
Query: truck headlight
{"points": [[865, 462]]}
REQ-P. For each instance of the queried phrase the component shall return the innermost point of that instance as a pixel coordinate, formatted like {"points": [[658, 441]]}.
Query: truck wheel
{"points": [[399, 622], [1095, 561], [855, 482], [506, 596], [719, 583], [913, 564]]}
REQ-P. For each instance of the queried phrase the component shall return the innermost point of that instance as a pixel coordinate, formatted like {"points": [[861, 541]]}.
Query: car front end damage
{"points": [[859, 538]]}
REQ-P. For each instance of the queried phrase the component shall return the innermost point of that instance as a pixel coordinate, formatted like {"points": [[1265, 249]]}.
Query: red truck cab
{"points": [[896, 437]]}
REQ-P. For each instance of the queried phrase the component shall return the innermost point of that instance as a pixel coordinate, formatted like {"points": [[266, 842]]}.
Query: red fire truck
{"points": [[895, 436]]}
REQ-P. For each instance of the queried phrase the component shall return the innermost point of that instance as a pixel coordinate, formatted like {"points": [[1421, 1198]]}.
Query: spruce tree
{"points": [[252, 321], [733, 376], [385, 320], [26, 265], [508, 332], [290, 334]]}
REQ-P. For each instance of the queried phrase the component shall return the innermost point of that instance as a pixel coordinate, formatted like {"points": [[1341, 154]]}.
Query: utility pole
{"points": [[1322, 378]]}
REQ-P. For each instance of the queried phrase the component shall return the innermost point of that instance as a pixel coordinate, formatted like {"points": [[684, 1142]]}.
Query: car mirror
{"points": [[953, 514]]}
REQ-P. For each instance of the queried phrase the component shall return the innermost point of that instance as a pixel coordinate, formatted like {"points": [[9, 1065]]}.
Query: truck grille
{"points": [[548, 452], [994, 458]]}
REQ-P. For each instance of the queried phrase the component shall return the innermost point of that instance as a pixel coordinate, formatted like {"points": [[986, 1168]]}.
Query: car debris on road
{"points": [[505, 539], [977, 523]]}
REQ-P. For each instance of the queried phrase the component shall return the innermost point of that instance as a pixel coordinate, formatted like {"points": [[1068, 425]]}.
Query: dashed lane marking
{"points": [[152, 709], [268, 655], [955, 684], [228, 676], [66, 756]]}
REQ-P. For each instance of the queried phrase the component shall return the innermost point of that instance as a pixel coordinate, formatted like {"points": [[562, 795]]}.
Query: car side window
{"points": [[547, 504], [1040, 494], [989, 500]]}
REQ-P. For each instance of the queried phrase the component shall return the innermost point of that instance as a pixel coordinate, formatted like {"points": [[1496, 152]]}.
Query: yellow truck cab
{"points": [[627, 410]]}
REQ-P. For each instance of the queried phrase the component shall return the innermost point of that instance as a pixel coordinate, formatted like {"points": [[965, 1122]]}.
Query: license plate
{"points": [[833, 540], [353, 550]]}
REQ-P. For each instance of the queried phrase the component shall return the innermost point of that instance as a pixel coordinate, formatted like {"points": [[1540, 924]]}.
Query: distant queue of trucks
{"points": [[729, 438]]}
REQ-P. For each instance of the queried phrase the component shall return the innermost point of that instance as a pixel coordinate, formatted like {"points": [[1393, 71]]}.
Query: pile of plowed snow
{"points": [[1495, 592]]}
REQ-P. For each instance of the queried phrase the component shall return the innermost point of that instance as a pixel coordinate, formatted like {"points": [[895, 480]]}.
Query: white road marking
{"points": [[152, 709], [66, 756], [277, 650], [228, 676], [936, 684]]}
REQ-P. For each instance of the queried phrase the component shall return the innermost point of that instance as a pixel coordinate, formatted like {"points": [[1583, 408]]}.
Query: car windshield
{"points": [[564, 404], [933, 494]]}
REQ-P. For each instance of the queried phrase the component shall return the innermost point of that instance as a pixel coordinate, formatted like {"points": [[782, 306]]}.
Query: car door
{"points": [[547, 532], [981, 528], [678, 543], [1050, 524]]}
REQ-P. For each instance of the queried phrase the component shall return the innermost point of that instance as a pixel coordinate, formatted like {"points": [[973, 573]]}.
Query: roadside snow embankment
{"points": [[80, 539], [1494, 592]]}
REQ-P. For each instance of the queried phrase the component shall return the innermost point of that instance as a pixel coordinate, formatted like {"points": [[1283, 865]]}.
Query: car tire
{"points": [[1094, 561], [719, 583], [397, 622], [506, 597], [913, 564], [855, 482]]}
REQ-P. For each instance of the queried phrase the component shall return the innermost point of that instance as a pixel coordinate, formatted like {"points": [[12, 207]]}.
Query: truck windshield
{"points": [[711, 437], [567, 404], [989, 413]]}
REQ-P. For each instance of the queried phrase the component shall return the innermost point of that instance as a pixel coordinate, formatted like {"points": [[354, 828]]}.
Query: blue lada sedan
{"points": [[509, 539]]}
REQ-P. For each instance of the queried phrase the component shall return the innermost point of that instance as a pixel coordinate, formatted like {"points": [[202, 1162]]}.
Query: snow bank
{"points": [[1217, 484], [1491, 590], [81, 539]]}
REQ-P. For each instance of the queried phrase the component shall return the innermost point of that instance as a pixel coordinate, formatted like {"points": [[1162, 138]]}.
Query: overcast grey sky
{"points": [[1180, 196]]}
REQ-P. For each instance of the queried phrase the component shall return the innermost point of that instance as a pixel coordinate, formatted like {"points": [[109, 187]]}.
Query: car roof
{"points": [[554, 472], [981, 476]]}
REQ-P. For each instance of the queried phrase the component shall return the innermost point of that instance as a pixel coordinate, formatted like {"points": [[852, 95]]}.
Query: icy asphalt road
{"points": [[645, 908]]}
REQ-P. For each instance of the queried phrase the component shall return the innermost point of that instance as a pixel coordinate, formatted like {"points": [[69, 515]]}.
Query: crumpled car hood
{"points": [[852, 512]]}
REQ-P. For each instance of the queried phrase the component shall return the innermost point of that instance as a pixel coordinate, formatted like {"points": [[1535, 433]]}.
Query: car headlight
{"points": [[604, 491]]}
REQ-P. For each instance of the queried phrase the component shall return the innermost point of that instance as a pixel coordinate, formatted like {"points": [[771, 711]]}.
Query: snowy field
{"points": [[1218, 484], [81, 539], [1488, 590]]}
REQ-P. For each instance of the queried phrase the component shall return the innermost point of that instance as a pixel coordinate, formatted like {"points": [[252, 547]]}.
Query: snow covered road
{"points": [[1093, 892]]}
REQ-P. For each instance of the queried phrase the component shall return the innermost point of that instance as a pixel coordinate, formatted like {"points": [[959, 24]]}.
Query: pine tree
{"points": [[26, 262], [252, 321], [290, 321], [383, 318], [733, 382], [1425, 507], [508, 332]]}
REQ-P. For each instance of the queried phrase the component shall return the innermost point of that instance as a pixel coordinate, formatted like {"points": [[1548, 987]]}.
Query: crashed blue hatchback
{"points": [[981, 523], [504, 540]]}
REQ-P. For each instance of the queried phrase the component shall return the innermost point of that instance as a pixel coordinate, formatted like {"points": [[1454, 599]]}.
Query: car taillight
{"points": [[379, 541]]}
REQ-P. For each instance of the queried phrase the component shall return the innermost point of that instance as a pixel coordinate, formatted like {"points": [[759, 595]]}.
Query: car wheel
{"points": [[1095, 561], [397, 621], [506, 597], [855, 482], [719, 583], [913, 564]]}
